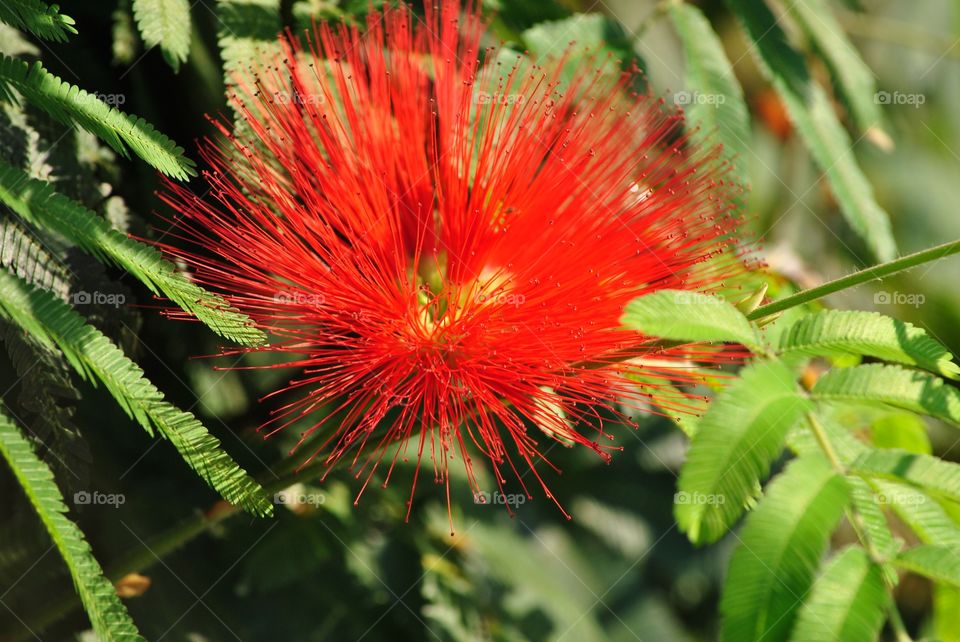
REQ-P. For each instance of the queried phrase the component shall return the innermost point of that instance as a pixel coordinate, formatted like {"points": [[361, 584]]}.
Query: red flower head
{"points": [[447, 245]]}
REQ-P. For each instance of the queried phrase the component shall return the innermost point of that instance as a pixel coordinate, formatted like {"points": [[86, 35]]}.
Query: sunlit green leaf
{"points": [[165, 23], [939, 563], [847, 602], [911, 390], [779, 549], [96, 358], [689, 316], [738, 438], [838, 332]]}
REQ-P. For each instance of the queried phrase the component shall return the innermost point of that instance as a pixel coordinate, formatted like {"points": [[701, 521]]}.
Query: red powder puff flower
{"points": [[447, 246]]}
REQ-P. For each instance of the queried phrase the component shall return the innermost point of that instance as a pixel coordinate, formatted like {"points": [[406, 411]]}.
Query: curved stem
{"points": [[857, 278]]}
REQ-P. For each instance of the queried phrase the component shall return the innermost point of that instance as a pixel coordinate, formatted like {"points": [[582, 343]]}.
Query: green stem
{"points": [[857, 278], [821, 436], [858, 524]]}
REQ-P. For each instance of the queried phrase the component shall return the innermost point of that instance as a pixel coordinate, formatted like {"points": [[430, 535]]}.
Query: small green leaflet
{"points": [[780, 548], [689, 316], [920, 512], [911, 390], [39, 18], [931, 474], [738, 438], [856, 82], [585, 34], [848, 601], [39, 205], [165, 23], [839, 332], [939, 563], [73, 106]]}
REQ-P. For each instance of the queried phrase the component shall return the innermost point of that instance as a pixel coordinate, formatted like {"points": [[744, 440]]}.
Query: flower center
{"points": [[441, 302]]}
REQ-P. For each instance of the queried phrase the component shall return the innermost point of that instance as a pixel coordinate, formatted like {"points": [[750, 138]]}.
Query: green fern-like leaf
{"points": [[107, 613], [911, 390], [868, 505], [853, 78], [38, 204], [248, 32], [815, 119], [46, 404], [689, 316], [742, 433], [847, 602], [930, 474], [839, 332], [939, 563], [96, 358], [780, 548], [73, 106], [710, 74], [165, 23], [39, 18], [248, 37], [23, 255], [922, 513]]}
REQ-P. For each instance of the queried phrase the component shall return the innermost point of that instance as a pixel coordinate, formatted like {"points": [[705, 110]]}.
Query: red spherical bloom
{"points": [[447, 245]]}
